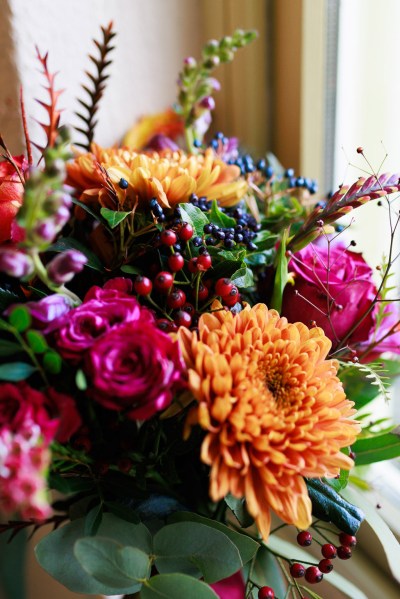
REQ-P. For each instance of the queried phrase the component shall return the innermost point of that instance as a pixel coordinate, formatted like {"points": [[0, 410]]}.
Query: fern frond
{"points": [[53, 113], [96, 87], [374, 372]]}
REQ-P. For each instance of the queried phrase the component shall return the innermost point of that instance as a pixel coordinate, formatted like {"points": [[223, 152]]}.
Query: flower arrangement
{"points": [[168, 423]]}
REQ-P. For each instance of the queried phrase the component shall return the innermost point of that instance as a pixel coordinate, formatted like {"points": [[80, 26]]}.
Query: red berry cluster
{"points": [[181, 289]]}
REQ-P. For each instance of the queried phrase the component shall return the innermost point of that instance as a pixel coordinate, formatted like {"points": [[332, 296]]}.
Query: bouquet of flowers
{"points": [[188, 345]]}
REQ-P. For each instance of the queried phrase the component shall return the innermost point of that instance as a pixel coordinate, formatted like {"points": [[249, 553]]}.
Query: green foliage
{"points": [[113, 217], [266, 571], [12, 566], [238, 507], [329, 506], [69, 243], [9, 348], [243, 278], [281, 274], [7, 298], [217, 217], [20, 318], [176, 586], [364, 382], [16, 371], [377, 448], [194, 216], [52, 362], [36, 341]]}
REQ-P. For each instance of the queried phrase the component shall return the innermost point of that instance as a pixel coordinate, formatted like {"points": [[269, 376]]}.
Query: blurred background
{"points": [[321, 80]]}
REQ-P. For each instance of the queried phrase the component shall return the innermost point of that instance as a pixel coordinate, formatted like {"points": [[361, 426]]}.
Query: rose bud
{"points": [[64, 266]]}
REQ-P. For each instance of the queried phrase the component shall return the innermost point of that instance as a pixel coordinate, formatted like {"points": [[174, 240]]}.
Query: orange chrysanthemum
{"points": [[171, 177], [273, 408]]}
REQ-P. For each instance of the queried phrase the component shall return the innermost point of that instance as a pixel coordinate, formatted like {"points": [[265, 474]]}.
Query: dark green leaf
{"points": [[16, 371], [132, 270], [92, 213], [243, 278], [267, 572], [66, 484], [12, 566], [36, 341], [238, 507], [68, 243], [247, 547], [113, 217], [93, 520], [357, 387], [55, 552], [7, 298], [20, 318], [265, 240], [376, 449], [176, 586], [281, 274], [194, 216], [329, 506], [8, 348], [111, 564], [122, 511], [197, 550], [217, 217], [52, 362]]}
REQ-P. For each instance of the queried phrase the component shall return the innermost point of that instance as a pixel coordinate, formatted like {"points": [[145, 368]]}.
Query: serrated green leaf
{"points": [[217, 217], [376, 449], [8, 348], [7, 298], [197, 550], [246, 546], [329, 506], [68, 243], [16, 371], [55, 552], [113, 565], [243, 278], [113, 217], [176, 586], [36, 341], [194, 216], [20, 318]]}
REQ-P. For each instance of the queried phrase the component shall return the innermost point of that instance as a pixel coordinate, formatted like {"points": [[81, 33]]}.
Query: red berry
{"points": [[304, 538], [266, 593], [189, 308], [297, 570], [232, 298], [142, 285], [185, 232], [203, 293], [166, 325], [183, 319], [176, 262], [313, 575], [326, 566], [223, 287], [168, 237], [163, 281], [329, 551], [344, 552], [347, 540], [176, 299], [204, 262], [192, 265]]}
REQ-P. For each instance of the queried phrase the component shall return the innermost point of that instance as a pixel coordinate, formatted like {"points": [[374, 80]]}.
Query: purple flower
{"points": [[64, 266], [47, 311], [135, 369], [333, 287], [15, 263]]}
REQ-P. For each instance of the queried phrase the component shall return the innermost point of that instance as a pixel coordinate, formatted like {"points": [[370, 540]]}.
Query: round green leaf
{"points": [[197, 550], [36, 341], [111, 564], [52, 362], [20, 318], [176, 586]]}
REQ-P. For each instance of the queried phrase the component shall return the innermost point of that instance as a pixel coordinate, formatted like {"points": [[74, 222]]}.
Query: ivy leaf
{"points": [[377, 448], [194, 216], [243, 278], [113, 217], [329, 506], [16, 371], [217, 217], [176, 586]]}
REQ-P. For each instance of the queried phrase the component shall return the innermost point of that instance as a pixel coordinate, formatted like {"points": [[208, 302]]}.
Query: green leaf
{"points": [[7, 298], [20, 318], [339, 483], [69, 243], [16, 371], [176, 586], [68, 485], [386, 538], [91, 212], [194, 216], [267, 572], [80, 380], [238, 507], [362, 383], [376, 448], [111, 564], [246, 546], [281, 274], [329, 506], [55, 552], [52, 362], [132, 270], [122, 511], [197, 550], [265, 240], [8, 348], [295, 553], [36, 341], [217, 217], [243, 278], [12, 566], [113, 217], [93, 520]]}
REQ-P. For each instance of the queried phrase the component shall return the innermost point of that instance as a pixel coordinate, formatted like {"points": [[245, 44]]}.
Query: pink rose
{"points": [[135, 368], [336, 299], [230, 588], [11, 195]]}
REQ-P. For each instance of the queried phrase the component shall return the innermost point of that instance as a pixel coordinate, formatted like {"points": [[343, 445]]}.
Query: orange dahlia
{"points": [[273, 408], [169, 176]]}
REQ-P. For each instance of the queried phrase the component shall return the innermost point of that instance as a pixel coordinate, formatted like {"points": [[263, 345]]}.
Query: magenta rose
{"points": [[334, 288], [230, 588], [135, 368], [81, 327]]}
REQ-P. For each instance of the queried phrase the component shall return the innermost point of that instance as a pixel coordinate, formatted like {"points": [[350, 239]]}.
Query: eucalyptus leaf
{"points": [[55, 552], [93, 520], [238, 507], [329, 506], [194, 216], [113, 565], [113, 217], [267, 572], [176, 586], [197, 550], [16, 371], [376, 449]]}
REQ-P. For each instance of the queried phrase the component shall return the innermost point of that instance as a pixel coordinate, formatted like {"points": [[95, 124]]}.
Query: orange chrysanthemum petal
{"points": [[273, 408]]}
